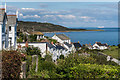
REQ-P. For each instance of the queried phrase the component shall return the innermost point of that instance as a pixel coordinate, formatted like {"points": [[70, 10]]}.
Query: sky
{"points": [[68, 14], [60, 0]]}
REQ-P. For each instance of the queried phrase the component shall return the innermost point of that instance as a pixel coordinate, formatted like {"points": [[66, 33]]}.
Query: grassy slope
{"points": [[46, 27], [113, 51]]}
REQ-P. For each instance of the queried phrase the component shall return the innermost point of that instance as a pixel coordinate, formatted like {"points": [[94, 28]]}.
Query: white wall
{"points": [[99, 47], [41, 46], [57, 38]]}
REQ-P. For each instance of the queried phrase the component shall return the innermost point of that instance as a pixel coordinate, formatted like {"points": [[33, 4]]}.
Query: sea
{"points": [[109, 36]]}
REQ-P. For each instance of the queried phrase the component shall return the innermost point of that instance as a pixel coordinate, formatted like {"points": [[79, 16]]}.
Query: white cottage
{"points": [[57, 50], [61, 38], [40, 35], [100, 46]]}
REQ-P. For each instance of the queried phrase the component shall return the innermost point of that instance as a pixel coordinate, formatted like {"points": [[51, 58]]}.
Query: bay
{"points": [[109, 36]]}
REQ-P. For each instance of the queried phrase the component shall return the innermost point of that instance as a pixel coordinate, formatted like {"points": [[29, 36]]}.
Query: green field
{"points": [[113, 51]]}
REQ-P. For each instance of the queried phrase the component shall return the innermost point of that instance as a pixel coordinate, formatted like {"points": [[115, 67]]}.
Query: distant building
{"points": [[89, 46], [100, 46], [77, 46], [61, 38], [40, 35], [70, 47], [8, 33], [57, 50]]}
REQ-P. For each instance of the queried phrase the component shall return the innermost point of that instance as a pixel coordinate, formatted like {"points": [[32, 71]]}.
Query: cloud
{"points": [[67, 16], [28, 16], [72, 17], [27, 8]]}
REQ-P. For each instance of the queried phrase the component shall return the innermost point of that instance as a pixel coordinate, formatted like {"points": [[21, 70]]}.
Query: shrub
{"points": [[118, 45], [94, 71], [61, 56], [48, 57], [11, 64], [33, 51]]}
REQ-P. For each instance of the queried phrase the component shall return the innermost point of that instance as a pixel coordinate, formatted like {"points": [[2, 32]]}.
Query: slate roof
{"points": [[11, 19], [100, 44], [62, 36], [60, 47], [2, 14], [50, 45], [69, 45], [77, 45]]}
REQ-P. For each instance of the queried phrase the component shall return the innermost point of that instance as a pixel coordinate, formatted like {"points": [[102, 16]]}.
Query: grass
{"points": [[113, 51]]}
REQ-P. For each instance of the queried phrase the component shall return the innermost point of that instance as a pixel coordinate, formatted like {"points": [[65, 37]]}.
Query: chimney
{"points": [[26, 44], [5, 7], [17, 14], [78, 42], [52, 42]]}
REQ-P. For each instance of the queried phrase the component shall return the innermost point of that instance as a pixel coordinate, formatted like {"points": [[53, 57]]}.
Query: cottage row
{"points": [[64, 46]]}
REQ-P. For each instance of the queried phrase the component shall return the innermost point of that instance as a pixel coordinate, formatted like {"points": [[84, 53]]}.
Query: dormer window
{"points": [[9, 28]]}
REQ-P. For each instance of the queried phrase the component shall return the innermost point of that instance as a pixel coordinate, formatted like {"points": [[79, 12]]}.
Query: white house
{"points": [[40, 35], [89, 46], [8, 33], [57, 50], [70, 47], [100, 46], [61, 38]]}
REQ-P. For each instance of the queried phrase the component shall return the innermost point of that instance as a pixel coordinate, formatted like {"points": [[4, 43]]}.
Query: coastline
{"points": [[73, 31]]}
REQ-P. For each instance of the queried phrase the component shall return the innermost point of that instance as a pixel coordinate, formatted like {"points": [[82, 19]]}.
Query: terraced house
{"points": [[8, 32]]}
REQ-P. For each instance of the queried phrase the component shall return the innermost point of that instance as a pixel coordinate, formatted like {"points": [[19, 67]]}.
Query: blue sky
{"points": [[61, 0], [68, 14]]}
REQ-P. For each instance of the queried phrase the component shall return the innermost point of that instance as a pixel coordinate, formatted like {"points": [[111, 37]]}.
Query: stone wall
{"points": [[23, 69]]}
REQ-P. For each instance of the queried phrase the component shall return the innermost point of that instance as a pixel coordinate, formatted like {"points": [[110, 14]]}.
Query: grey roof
{"points": [[69, 45], [11, 20], [60, 47], [50, 45], [100, 44], [62, 36], [77, 45], [2, 15]]}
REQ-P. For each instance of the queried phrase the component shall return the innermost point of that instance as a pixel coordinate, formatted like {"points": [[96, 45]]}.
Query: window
{"points": [[9, 28]]}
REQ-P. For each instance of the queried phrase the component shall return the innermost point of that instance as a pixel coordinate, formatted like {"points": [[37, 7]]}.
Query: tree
{"points": [[32, 38], [48, 57], [118, 45], [33, 51], [11, 64], [61, 56]]}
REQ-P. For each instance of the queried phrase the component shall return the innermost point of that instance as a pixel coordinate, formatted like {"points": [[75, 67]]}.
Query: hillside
{"points": [[43, 27]]}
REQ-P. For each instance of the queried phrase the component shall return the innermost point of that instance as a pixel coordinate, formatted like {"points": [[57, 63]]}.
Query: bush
{"points": [[61, 56], [118, 45], [94, 71], [48, 57], [33, 51], [11, 64]]}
